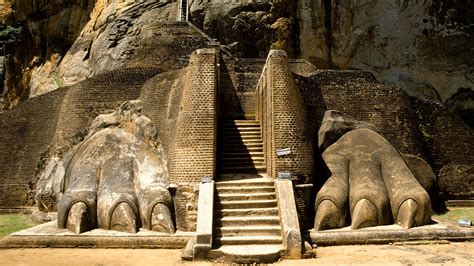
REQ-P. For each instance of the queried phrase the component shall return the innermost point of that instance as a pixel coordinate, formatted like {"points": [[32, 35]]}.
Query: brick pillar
{"points": [[193, 148], [282, 115]]}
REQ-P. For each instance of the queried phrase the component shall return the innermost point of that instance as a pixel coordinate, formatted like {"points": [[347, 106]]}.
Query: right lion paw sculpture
{"points": [[370, 184]]}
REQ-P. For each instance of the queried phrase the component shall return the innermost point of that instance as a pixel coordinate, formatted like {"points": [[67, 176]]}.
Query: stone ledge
{"points": [[49, 236], [391, 234], [16, 210]]}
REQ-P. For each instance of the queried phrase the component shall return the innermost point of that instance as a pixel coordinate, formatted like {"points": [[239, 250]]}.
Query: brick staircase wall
{"points": [[183, 105], [282, 115]]}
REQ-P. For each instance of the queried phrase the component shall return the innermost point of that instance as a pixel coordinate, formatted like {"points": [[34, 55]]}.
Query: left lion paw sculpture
{"points": [[116, 179]]}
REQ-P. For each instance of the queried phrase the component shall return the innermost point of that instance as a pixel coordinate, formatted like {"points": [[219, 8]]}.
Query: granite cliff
{"points": [[423, 46]]}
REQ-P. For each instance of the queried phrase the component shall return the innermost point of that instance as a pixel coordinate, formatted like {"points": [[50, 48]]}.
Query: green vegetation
{"points": [[8, 34], [454, 214], [10, 223]]}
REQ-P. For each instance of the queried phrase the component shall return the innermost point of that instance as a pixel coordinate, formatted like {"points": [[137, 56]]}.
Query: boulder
{"points": [[334, 125]]}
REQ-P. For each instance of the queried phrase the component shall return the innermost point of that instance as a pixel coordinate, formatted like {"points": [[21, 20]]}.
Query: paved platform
{"points": [[392, 233], [247, 254], [47, 235]]}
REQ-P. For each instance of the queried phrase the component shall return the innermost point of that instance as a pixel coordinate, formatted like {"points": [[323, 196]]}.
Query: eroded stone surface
{"points": [[115, 179], [371, 183], [334, 125], [413, 44]]}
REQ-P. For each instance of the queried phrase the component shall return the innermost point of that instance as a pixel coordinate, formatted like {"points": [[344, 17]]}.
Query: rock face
{"points": [[462, 105], [49, 29], [420, 46], [407, 43], [242, 26], [65, 42]]}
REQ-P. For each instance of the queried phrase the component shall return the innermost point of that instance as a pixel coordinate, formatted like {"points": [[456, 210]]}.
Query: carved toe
{"points": [[328, 216], [77, 220], [124, 219], [364, 215], [407, 212], [161, 220]]}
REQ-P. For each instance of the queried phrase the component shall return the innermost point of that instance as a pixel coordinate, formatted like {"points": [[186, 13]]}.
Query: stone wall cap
{"points": [[277, 53], [206, 51]]}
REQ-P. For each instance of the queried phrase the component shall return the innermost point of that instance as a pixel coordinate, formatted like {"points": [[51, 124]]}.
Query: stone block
{"points": [[289, 219], [205, 214], [201, 251]]}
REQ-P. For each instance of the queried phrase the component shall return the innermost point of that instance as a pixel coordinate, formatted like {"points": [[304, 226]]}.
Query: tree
{"points": [[8, 34]]}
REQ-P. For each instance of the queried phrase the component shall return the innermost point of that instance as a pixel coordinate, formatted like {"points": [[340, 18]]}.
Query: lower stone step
{"points": [[246, 183], [240, 159], [247, 196], [243, 204], [248, 231], [248, 240], [241, 149], [229, 166], [247, 212], [245, 189], [247, 254], [243, 169], [246, 221]]}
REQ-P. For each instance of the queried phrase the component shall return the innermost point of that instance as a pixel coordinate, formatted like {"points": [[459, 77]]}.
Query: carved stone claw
{"points": [[407, 214], [78, 218], [364, 215], [327, 216], [161, 220], [124, 219]]}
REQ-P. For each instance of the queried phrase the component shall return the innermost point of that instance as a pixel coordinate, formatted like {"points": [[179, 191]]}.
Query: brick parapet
{"points": [[192, 147], [282, 116]]}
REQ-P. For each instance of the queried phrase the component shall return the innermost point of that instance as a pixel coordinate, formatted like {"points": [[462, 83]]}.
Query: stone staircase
{"points": [[240, 147], [184, 10], [246, 220]]}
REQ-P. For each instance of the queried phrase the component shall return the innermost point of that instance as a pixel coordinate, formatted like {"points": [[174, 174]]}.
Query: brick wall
{"points": [[359, 95], [282, 115], [192, 152], [26, 132], [183, 105], [449, 147], [100, 94], [60, 119]]}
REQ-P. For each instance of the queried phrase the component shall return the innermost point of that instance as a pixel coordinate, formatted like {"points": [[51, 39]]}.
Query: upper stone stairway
{"points": [[183, 6], [240, 147]]}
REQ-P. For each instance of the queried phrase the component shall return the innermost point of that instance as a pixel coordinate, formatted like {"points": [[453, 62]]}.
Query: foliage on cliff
{"points": [[9, 34]]}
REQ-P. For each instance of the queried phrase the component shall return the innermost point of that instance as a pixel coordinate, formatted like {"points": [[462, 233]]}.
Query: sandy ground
{"points": [[420, 254]]}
